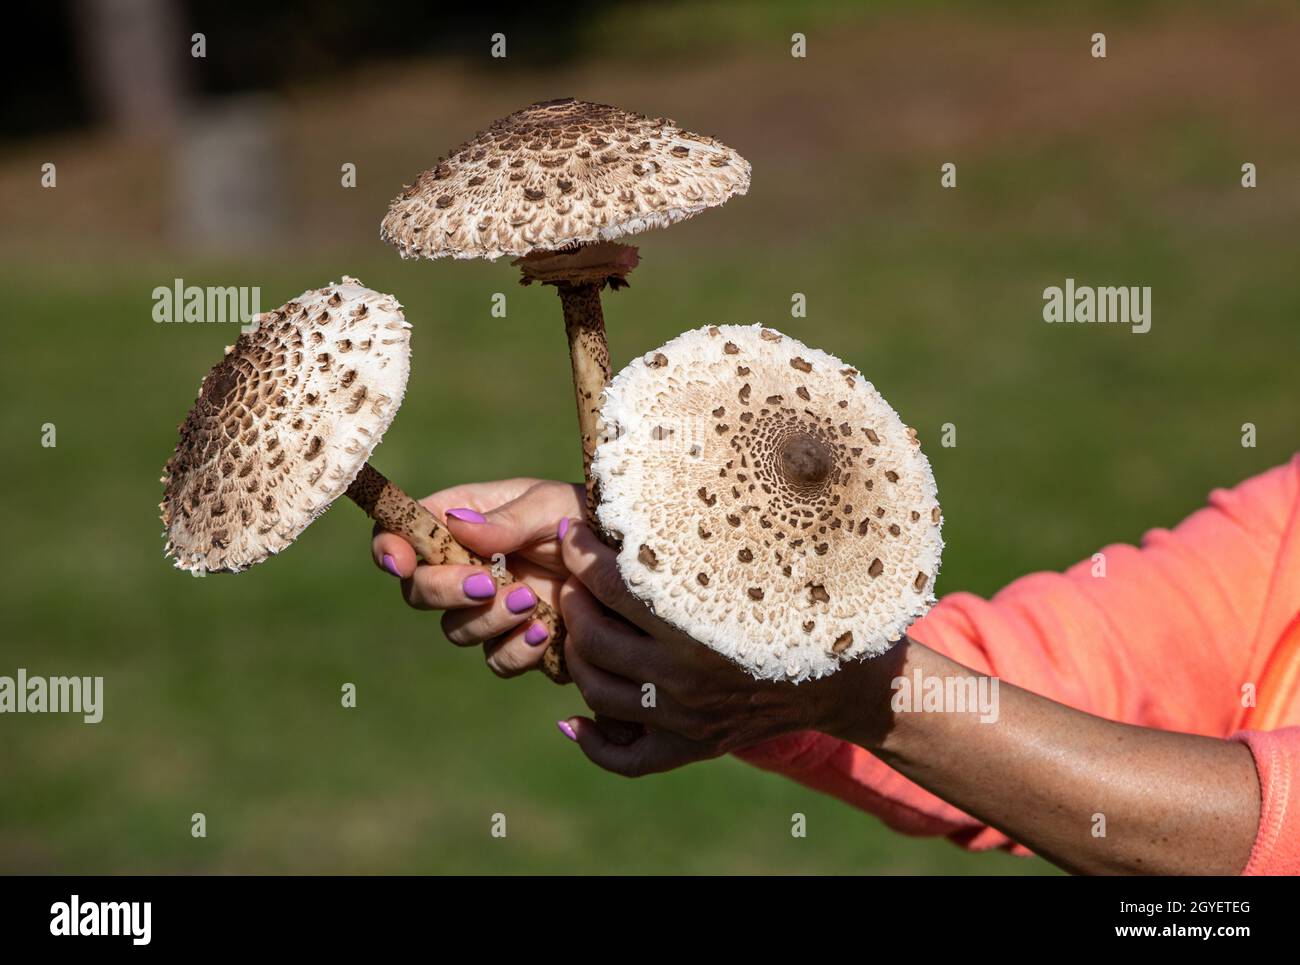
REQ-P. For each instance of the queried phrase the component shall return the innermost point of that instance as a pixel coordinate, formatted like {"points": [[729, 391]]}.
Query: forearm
{"points": [[1055, 779]]}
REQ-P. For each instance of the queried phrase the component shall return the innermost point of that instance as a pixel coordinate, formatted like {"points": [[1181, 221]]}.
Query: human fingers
{"points": [[654, 752], [600, 638], [392, 554], [449, 587], [596, 566], [527, 523], [512, 606], [518, 650]]}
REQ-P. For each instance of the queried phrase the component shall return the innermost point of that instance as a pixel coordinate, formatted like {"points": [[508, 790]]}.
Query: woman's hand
{"points": [[694, 704], [514, 517], [1040, 772]]}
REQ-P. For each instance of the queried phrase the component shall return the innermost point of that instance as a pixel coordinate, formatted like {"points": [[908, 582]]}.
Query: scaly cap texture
{"points": [[561, 173], [283, 425], [771, 503]]}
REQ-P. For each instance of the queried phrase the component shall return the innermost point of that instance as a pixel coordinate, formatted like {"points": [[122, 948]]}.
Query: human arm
{"points": [[1042, 773]]}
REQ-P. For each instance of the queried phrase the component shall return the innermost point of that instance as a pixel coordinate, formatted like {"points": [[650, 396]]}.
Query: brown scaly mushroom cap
{"points": [[771, 503], [283, 425], [557, 174]]}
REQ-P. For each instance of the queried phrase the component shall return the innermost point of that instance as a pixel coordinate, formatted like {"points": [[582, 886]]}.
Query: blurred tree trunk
{"points": [[133, 51]]}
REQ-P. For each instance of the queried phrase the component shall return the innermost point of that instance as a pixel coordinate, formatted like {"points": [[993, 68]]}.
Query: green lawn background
{"points": [[222, 694]]}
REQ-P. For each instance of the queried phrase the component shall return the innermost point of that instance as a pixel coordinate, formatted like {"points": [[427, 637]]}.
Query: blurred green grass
{"points": [[222, 694]]}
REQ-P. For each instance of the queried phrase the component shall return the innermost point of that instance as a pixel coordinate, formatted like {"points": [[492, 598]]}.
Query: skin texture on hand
{"points": [[701, 706], [513, 517], [1043, 773]]}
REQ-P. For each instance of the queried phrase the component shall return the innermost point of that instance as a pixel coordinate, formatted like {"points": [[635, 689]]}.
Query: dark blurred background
{"points": [[222, 694]]}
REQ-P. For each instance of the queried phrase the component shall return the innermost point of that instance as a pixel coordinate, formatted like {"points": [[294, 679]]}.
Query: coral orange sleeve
{"points": [[1169, 635], [1277, 760]]}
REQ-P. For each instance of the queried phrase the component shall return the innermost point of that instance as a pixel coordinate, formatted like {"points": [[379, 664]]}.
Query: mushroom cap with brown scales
{"points": [[283, 425], [771, 504], [557, 174]]}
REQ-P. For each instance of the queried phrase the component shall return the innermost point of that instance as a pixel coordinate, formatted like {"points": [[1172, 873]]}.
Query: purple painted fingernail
{"points": [[562, 529], [566, 729], [479, 587], [390, 565], [466, 515], [536, 634], [521, 600]]}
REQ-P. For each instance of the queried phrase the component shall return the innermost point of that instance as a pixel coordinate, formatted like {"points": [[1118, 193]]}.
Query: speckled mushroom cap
{"points": [[770, 502], [283, 425], [561, 173]]}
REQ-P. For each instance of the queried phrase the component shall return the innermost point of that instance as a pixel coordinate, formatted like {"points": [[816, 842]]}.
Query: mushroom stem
{"points": [[584, 324], [395, 511]]}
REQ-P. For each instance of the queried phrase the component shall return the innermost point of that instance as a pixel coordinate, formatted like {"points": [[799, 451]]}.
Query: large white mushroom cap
{"points": [[771, 504], [283, 425], [561, 173]]}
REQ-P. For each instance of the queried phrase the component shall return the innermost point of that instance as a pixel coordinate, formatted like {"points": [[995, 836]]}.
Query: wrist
{"points": [[855, 705]]}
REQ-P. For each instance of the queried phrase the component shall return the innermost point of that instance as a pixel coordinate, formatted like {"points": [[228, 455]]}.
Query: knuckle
{"points": [[638, 766], [598, 699], [578, 635], [504, 669], [579, 640], [455, 631], [627, 767], [606, 583], [415, 597], [696, 727], [426, 589], [506, 661]]}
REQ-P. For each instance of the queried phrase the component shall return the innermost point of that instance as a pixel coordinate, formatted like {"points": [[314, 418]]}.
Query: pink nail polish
{"points": [[466, 515], [536, 634], [566, 729], [521, 600], [562, 529], [479, 587], [390, 565]]}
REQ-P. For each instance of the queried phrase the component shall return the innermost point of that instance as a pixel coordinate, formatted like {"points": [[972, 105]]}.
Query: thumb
{"points": [[529, 518]]}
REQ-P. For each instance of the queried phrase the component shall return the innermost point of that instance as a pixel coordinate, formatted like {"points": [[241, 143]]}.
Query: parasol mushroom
{"points": [[771, 504], [554, 185], [285, 424]]}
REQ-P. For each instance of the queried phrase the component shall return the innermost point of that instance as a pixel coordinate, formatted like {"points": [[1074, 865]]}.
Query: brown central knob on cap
{"points": [[805, 460]]}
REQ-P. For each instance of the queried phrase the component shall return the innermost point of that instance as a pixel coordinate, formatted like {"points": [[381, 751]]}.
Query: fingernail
{"points": [[562, 529], [479, 587], [390, 565], [521, 600], [466, 515], [566, 730], [536, 634]]}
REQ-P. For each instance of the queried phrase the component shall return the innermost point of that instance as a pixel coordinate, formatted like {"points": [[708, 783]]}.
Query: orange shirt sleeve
{"points": [[1161, 636], [1277, 760]]}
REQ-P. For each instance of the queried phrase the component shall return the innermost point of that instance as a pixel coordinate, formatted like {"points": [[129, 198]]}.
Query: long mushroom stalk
{"points": [[584, 325], [388, 505], [579, 274]]}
